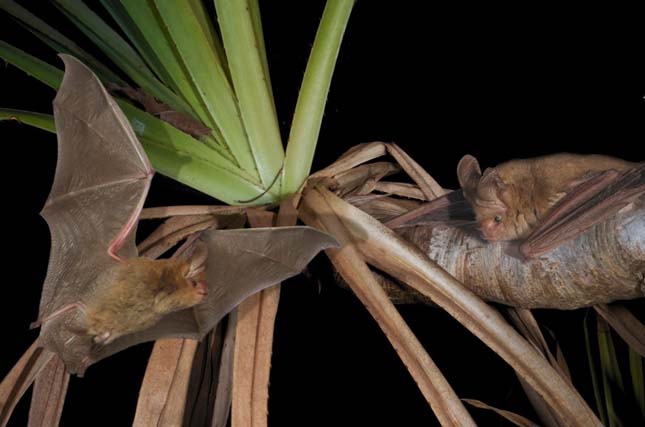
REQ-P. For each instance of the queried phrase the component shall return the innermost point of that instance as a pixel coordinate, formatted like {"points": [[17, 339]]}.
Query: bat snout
{"points": [[491, 230], [201, 288]]}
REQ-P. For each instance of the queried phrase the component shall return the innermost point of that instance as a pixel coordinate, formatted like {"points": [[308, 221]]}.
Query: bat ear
{"points": [[469, 174], [197, 255], [491, 186]]}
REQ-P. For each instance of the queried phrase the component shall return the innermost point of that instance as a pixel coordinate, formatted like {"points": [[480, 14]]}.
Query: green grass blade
{"points": [[313, 94], [136, 37], [39, 120], [638, 379], [255, 100], [208, 77], [211, 34], [201, 175], [172, 152], [150, 25], [31, 65], [610, 371], [597, 390], [254, 9], [119, 51], [56, 40]]}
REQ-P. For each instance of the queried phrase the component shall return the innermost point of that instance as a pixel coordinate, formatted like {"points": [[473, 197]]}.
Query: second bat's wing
{"points": [[102, 178], [587, 204]]}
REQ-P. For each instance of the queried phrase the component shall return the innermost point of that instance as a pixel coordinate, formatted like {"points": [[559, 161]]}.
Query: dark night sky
{"points": [[494, 81]]}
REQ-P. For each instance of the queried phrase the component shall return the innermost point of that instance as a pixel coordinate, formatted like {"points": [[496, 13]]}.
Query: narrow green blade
{"points": [[31, 65], [597, 388], [208, 77], [313, 94], [150, 25], [610, 371], [638, 380], [119, 51], [56, 40], [39, 120], [137, 38], [255, 99]]}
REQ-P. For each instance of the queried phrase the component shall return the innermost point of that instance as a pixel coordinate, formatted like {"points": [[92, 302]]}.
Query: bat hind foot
{"points": [[102, 338]]}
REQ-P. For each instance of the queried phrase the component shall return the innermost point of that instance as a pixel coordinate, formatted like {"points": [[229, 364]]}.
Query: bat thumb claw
{"points": [[35, 324]]}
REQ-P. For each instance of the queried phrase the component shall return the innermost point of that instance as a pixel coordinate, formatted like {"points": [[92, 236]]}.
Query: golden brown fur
{"points": [[511, 199], [136, 294]]}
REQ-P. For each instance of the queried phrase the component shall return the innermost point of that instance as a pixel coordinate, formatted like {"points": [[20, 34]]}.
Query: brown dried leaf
{"points": [[389, 252], [254, 342], [162, 398], [442, 398], [356, 155], [429, 187], [202, 387], [625, 324], [20, 377], [224, 394], [361, 179], [167, 211], [48, 395], [402, 189], [516, 419]]}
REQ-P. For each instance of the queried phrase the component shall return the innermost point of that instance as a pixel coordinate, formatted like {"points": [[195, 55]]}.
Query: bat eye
{"points": [[193, 283], [498, 218]]}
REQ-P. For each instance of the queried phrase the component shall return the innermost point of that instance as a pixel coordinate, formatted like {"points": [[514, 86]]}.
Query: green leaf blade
{"points": [[250, 81], [31, 118], [31, 65], [120, 52], [208, 77], [310, 107]]}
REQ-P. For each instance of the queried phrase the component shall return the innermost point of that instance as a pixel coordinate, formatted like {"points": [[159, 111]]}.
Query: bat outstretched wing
{"points": [[585, 205], [101, 181], [239, 263]]}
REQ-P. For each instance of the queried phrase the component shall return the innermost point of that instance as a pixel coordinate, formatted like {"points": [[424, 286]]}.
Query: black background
{"points": [[497, 82]]}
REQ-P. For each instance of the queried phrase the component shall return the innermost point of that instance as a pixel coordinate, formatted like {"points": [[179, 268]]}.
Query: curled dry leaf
{"points": [[21, 376], [392, 254], [516, 419], [437, 391], [48, 396]]}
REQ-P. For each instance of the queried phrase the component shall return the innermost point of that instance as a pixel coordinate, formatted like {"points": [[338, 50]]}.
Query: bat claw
{"points": [[35, 324]]}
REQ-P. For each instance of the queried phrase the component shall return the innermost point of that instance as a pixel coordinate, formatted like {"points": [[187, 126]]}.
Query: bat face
{"points": [[490, 197], [178, 288], [492, 222]]}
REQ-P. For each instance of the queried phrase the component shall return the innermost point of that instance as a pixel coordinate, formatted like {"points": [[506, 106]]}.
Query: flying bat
{"points": [[545, 201], [99, 296]]}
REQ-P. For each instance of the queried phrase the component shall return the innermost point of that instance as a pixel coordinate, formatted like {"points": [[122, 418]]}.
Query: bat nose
{"points": [[201, 288], [489, 230]]}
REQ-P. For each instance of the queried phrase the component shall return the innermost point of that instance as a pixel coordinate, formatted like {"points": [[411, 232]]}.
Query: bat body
{"points": [[136, 294], [516, 199], [99, 296]]}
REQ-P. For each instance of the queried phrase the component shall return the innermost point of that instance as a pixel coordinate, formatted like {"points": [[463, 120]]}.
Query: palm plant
{"points": [[233, 173]]}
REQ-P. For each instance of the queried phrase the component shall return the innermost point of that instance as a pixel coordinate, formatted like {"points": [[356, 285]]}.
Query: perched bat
{"points": [[99, 297], [603, 264], [548, 200]]}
